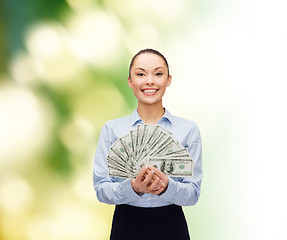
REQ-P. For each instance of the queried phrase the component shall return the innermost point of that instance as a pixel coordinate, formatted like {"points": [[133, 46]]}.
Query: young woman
{"points": [[149, 206]]}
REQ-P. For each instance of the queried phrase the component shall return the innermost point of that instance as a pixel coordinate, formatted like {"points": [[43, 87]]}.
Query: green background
{"points": [[63, 73]]}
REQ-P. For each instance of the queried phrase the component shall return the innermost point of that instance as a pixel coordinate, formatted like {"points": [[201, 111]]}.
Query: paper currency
{"points": [[148, 144], [173, 166]]}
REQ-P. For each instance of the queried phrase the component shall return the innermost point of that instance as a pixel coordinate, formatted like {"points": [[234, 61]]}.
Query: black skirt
{"points": [[137, 223]]}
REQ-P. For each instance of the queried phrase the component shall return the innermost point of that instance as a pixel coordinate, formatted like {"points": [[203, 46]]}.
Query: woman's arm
{"points": [[186, 191], [108, 190]]}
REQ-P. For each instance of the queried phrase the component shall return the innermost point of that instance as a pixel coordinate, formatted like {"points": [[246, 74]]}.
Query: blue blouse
{"points": [[181, 191]]}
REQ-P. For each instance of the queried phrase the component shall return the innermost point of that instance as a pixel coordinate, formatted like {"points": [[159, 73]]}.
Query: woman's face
{"points": [[149, 78]]}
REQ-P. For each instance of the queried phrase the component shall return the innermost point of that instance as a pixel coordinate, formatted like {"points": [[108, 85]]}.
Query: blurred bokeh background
{"points": [[63, 71]]}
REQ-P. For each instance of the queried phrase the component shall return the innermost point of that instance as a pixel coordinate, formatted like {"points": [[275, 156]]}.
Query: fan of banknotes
{"points": [[148, 145]]}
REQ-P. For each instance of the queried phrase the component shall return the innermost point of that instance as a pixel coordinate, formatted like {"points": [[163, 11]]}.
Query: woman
{"points": [[149, 206]]}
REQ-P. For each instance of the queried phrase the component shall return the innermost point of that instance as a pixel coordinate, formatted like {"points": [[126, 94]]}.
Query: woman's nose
{"points": [[149, 79]]}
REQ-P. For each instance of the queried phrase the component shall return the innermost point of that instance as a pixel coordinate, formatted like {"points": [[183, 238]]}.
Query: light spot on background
{"points": [[22, 120], [16, 194]]}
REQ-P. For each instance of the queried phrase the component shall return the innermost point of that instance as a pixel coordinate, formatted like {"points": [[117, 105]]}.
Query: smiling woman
{"points": [[149, 77], [152, 201]]}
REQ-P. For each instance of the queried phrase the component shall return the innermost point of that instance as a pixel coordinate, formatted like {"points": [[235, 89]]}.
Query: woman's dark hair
{"points": [[148, 50]]}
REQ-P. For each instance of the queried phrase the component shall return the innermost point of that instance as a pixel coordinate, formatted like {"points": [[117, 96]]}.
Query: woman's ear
{"points": [[169, 80], [130, 82]]}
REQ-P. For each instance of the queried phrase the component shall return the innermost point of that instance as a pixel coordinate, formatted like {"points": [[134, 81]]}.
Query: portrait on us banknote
{"points": [[167, 166]]}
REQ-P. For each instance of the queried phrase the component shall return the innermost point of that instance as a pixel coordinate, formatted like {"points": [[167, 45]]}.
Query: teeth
{"points": [[149, 90]]}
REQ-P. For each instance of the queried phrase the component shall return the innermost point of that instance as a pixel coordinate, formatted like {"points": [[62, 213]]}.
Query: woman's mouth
{"points": [[149, 91]]}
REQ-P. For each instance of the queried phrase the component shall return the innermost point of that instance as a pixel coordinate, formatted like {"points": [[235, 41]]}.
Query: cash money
{"points": [[148, 145], [173, 166]]}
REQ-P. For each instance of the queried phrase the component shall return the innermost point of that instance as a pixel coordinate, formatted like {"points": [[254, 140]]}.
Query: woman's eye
{"points": [[140, 74], [158, 74]]}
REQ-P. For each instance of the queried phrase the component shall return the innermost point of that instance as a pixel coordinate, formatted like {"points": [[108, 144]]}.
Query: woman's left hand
{"points": [[163, 180]]}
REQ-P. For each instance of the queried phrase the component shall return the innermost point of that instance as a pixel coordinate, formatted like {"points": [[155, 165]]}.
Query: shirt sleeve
{"points": [[107, 190], [186, 191]]}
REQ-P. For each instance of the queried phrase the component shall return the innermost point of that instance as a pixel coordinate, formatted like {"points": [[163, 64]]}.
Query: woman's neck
{"points": [[150, 114]]}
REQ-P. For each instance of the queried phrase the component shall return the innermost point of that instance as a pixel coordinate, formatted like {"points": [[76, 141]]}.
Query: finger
{"points": [[157, 188], [156, 170], [141, 173], [163, 178], [150, 182], [154, 184], [161, 183], [157, 191], [159, 173], [148, 178], [153, 178], [148, 171]]}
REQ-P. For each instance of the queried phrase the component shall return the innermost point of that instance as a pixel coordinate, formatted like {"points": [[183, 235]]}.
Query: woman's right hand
{"points": [[142, 182]]}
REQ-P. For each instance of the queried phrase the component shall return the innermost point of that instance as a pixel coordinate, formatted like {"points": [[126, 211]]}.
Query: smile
{"points": [[149, 90]]}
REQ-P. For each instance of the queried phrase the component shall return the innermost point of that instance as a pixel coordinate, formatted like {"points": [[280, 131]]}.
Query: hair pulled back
{"points": [[151, 51]]}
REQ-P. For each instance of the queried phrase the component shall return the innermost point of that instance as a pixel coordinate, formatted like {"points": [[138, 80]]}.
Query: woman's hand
{"points": [[160, 183], [163, 180], [146, 181]]}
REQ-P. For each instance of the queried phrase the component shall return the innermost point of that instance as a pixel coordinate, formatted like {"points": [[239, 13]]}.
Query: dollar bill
{"points": [[133, 143], [147, 133], [169, 147], [157, 138], [119, 150], [175, 167], [127, 144], [179, 155], [147, 144], [119, 158]]}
